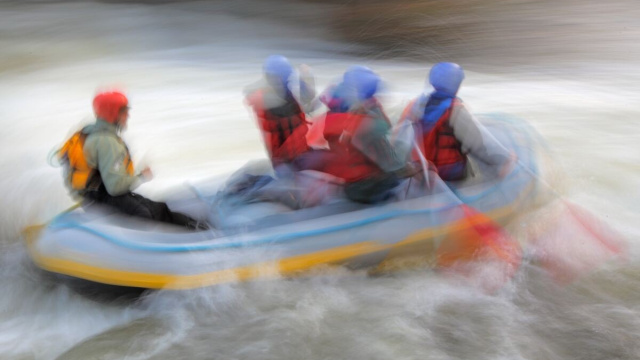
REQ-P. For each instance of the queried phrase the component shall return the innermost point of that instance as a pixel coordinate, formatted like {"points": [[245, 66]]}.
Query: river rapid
{"points": [[184, 67]]}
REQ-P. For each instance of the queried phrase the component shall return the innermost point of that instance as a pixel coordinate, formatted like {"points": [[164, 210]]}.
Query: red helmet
{"points": [[107, 105]]}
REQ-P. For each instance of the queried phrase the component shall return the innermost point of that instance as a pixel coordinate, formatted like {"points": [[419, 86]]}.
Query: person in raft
{"points": [[279, 103], [357, 130], [447, 132], [98, 166]]}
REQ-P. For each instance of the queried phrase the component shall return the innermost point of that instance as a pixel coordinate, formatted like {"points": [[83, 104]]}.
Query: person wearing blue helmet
{"points": [[446, 130], [279, 103], [356, 132], [339, 97]]}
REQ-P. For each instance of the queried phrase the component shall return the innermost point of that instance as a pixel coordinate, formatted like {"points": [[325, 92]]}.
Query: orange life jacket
{"points": [[78, 173]]}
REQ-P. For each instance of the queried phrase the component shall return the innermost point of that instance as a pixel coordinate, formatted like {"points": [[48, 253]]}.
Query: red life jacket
{"points": [[443, 149], [284, 128], [347, 162]]}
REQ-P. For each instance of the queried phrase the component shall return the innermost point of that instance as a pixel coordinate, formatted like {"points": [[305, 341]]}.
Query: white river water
{"points": [[184, 67]]}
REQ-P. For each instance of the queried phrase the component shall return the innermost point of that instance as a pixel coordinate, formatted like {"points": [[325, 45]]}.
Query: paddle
{"points": [[315, 136], [478, 249], [573, 241], [30, 232]]}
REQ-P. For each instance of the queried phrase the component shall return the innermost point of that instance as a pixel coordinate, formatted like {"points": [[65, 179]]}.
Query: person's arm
{"points": [[109, 155], [371, 139], [303, 87], [254, 100], [475, 138], [408, 114], [307, 85], [403, 134]]}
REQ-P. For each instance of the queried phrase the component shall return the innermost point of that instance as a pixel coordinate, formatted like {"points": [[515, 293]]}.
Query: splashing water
{"points": [[188, 121]]}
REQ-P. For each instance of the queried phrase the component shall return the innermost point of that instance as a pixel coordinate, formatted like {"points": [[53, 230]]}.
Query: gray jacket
{"points": [[474, 138], [105, 151]]}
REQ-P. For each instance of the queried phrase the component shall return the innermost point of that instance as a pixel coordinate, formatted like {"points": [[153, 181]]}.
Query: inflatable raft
{"points": [[261, 239]]}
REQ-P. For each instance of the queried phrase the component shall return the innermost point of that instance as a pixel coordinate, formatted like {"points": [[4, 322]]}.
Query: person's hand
{"points": [[409, 170], [146, 174], [345, 137], [508, 166], [305, 71]]}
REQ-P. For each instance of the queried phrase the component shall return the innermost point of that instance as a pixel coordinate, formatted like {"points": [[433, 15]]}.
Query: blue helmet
{"points": [[362, 82], [446, 77], [355, 69], [279, 67]]}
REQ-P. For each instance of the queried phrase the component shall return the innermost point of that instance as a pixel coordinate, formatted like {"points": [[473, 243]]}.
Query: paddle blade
{"points": [[480, 251], [572, 242], [315, 135]]}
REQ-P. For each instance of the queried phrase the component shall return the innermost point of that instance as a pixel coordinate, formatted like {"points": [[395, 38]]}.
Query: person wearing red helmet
{"points": [[98, 166]]}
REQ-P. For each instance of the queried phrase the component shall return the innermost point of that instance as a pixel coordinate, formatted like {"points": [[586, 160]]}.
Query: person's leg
{"points": [[137, 205], [452, 172], [313, 160], [285, 170], [372, 190], [160, 211], [157, 210], [126, 203]]}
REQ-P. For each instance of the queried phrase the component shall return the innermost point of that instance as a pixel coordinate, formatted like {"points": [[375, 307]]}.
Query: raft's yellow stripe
{"points": [[272, 269]]}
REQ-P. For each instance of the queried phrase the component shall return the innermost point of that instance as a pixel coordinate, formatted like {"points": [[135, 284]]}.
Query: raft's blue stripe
{"points": [[274, 239]]}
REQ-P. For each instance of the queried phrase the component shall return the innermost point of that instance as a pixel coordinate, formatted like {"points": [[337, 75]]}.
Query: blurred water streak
{"points": [[575, 78]]}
